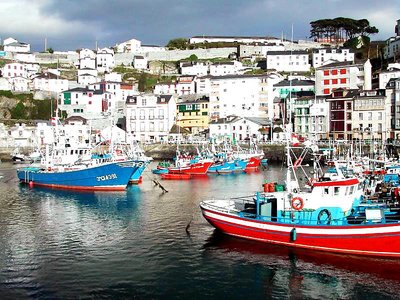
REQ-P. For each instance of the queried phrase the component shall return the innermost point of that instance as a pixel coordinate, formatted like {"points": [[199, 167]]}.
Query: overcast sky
{"points": [[75, 24]]}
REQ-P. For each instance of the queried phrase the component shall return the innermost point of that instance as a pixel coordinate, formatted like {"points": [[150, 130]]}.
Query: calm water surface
{"points": [[62, 245]]}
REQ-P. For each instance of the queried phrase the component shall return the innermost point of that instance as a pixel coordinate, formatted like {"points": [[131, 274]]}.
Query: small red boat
{"points": [[175, 176], [253, 164]]}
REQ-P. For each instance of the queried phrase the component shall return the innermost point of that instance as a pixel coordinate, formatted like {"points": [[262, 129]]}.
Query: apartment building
{"points": [[321, 56], [343, 75], [150, 117]]}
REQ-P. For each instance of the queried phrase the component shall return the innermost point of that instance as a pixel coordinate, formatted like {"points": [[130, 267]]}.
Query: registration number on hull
{"points": [[107, 177]]}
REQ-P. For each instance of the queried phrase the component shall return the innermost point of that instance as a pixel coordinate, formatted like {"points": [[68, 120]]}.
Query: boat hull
{"points": [[136, 177], [253, 164], [381, 240], [177, 176], [228, 167], [199, 168], [105, 177]]}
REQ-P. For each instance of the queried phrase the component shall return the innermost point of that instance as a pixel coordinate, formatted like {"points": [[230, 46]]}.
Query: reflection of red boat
{"points": [[253, 164], [371, 270], [175, 176]]}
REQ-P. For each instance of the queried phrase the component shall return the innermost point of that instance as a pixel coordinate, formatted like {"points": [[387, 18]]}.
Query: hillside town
{"points": [[244, 91]]}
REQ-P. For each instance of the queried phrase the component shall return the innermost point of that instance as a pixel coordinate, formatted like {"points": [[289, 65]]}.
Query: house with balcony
{"points": [[371, 116], [288, 61], [150, 117], [343, 75], [192, 114], [324, 55], [340, 114]]}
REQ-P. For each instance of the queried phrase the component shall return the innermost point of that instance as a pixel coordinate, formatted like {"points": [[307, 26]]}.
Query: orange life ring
{"points": [[297, 203]]}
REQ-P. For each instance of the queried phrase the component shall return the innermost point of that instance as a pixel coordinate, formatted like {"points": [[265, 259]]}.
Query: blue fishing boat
{"points": [[137, 175], [227, 167], [106, 176]]}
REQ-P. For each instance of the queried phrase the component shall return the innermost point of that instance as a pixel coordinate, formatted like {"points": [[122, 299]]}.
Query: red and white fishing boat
{"points": [[331, 214], [185, 164]]}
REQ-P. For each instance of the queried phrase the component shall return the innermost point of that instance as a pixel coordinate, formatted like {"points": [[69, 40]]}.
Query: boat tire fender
{"points": [[328, 219], [297, 203]]}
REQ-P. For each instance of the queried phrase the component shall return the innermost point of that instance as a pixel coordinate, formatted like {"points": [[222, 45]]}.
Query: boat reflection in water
{"points": [[284, 271]]}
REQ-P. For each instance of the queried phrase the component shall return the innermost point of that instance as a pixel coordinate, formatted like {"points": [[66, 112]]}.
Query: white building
{"points": [[118, 89], [50, 83], [238, 128], [320, 56], [345, 75], [165, 89], [12, 45], [288, 61], [392, 48], [87, 76], [140, 62], [86, 103], [239, 95], [15, 69], [131, 46], [87, 59], [226, 68], [105, 60], [150, 117], [393, 71], [194, 68], [20, 84], [185, 85]]}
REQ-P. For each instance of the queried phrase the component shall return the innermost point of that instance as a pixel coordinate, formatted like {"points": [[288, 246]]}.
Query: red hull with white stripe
{"points": [[381, 240], [199, 168]]}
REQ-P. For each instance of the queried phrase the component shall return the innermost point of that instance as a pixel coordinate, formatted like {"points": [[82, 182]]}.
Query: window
{"points": [[326, 91], [334, 72], [144, 102], [326, 82], [342, 71], [360, 116], [379, 115], [334, 81], [326, 72], [336, 190], [369, 116]]}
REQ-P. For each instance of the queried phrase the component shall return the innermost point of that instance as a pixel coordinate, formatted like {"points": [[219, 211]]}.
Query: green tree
{"points": [[50, 50], [193, 57], [19, 111], [179, 43], [142, 82]]}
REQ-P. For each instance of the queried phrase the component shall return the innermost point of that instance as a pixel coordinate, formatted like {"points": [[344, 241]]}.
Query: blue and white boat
{"points": [[107, 176], [227, 167]]}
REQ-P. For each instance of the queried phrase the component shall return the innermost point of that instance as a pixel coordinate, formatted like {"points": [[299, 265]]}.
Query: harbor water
{"points": [[146, 244]]}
